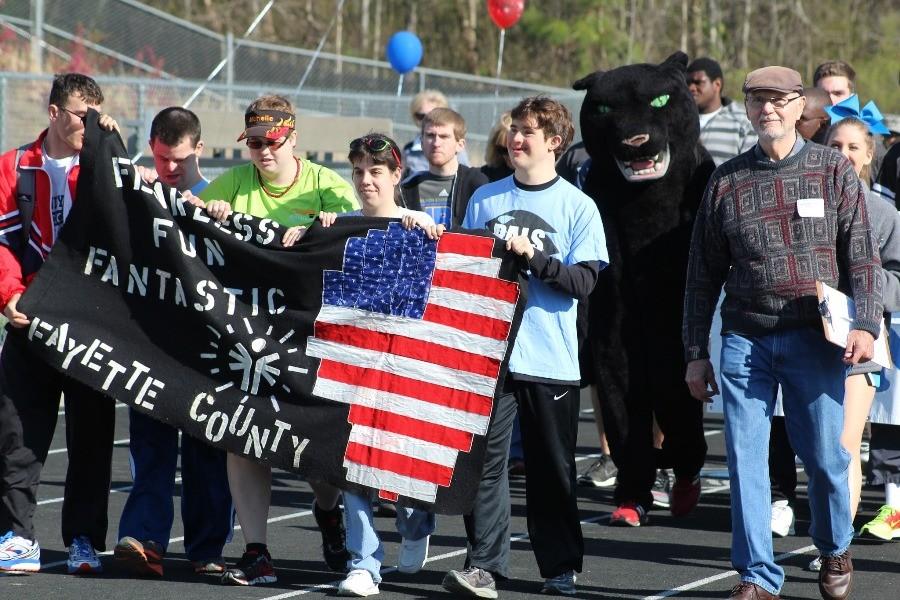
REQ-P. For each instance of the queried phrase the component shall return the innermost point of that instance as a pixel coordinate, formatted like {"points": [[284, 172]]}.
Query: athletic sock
{"points": [[892, 495]]}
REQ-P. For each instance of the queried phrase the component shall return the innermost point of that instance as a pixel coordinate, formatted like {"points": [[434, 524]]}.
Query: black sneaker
{"points": [[334, 538], [561, 585], [601, 473], [473, 582], [253, 568], [384, 509]]}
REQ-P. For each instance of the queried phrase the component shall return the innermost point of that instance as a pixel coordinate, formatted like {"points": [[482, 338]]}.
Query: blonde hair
{"points": [[865, 173], [272, 102], [496, 139], [430, 96], [446, 116]]}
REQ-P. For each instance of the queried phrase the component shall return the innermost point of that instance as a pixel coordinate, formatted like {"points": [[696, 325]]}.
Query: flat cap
{"points": [[780, 79]]}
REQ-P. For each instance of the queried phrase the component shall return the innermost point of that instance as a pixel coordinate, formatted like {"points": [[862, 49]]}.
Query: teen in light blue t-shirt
{"points": [[557, 233]]}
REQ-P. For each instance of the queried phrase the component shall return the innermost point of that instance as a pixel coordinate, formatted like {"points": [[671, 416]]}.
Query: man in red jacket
{"points": [[37, 189]]}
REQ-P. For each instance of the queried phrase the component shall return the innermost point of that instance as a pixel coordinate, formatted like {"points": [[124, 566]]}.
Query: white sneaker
{"points": [[815, 564], [782, 518], [83, 559], [19, 555], [358, 583], [412, 555]]}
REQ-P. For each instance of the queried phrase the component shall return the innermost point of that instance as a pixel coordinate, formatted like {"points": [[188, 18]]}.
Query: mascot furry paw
{"points": [[647, 175]]}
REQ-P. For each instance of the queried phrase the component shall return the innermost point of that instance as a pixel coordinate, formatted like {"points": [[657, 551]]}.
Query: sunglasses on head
{"points": [[258, 143], [373, 144]]}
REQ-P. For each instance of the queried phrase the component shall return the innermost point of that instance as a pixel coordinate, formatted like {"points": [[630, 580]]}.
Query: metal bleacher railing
{"points": [[152, 60]]}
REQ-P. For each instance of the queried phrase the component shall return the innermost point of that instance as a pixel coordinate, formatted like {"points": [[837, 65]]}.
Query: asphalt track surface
{"points": [[680, 558]]}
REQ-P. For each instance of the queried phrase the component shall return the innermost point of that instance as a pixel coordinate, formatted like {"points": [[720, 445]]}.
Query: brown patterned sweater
{"points": [[750, 235]]}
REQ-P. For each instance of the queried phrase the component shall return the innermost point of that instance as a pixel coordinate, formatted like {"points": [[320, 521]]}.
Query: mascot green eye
{"points": [[660, 101], [603, 109]]}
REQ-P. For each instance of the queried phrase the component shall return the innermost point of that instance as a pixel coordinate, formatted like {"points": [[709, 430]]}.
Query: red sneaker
{"points": [[684, 496], [139, 558], [630, 514]]}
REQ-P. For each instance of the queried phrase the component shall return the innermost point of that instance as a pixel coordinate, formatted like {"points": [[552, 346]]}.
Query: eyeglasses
{"points": [[81, 117], [419, 115], [760, 101], [273, 145], [374, 144]]}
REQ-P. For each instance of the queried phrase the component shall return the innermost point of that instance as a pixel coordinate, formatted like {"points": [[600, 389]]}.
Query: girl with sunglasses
{"points": [[291, 191], [276, 184]]}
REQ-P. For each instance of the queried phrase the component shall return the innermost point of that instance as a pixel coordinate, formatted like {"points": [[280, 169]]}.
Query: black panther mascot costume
{"points": [[647, 175]]}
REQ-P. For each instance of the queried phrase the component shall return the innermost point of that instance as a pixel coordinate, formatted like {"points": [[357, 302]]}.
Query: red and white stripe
{"points": [[419, 389]]}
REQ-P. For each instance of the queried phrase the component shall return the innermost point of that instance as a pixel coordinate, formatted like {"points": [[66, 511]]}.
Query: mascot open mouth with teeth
{"points": [[647, 175]]}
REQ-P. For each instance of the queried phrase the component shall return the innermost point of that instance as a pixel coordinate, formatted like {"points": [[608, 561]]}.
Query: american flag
{"points": [[412, 334]]}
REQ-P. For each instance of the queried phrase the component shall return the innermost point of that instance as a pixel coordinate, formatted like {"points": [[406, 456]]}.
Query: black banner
{"points": [[367, 355]]}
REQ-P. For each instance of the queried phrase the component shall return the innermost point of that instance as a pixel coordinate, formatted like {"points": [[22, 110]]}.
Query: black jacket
{"points": [[468, 179]]}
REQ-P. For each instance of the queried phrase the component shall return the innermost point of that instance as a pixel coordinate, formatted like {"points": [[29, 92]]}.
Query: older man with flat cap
{"points": [[773, 221]]}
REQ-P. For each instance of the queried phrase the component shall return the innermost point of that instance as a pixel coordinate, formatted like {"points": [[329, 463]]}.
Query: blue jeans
{"points": [[366, 549], [206, 507], [811, 374]]}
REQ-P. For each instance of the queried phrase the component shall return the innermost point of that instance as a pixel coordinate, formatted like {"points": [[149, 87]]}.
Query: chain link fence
{"points": [[146, 60]]}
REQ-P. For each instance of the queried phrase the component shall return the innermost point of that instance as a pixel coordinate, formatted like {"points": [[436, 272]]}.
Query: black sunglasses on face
{"points": [[81, 117], [257, 144]]}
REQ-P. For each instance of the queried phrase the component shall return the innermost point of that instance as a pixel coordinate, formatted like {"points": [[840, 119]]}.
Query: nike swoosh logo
{"points": [[561, 395]]}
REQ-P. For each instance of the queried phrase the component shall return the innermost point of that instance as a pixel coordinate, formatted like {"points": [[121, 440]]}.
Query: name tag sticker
{"points": [[811, 207]]}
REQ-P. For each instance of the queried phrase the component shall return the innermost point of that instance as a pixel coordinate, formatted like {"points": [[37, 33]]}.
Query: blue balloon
{"points": [[404, 51]]}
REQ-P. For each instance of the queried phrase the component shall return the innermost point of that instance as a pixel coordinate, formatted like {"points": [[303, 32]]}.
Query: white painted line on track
{"points": [[62, 450], [62, 411], [124, 488], [178, 479], [719, 576]]}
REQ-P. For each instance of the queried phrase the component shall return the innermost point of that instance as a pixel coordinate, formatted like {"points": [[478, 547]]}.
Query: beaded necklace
{"points": [[262, 183]]}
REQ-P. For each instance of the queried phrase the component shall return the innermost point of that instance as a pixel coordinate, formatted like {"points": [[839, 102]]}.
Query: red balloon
{"points": [[505, 13]]}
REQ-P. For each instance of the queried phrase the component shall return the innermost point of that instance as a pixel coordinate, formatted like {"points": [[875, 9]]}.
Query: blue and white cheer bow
{"points": [[870, 115]]}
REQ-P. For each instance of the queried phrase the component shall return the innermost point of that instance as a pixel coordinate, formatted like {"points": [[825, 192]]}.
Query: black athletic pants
{"points": [[29, 405], [548, 415], [884, 454]]}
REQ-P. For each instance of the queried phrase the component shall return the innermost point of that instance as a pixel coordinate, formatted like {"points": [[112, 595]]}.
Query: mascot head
{"points": [[642, 116]]}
